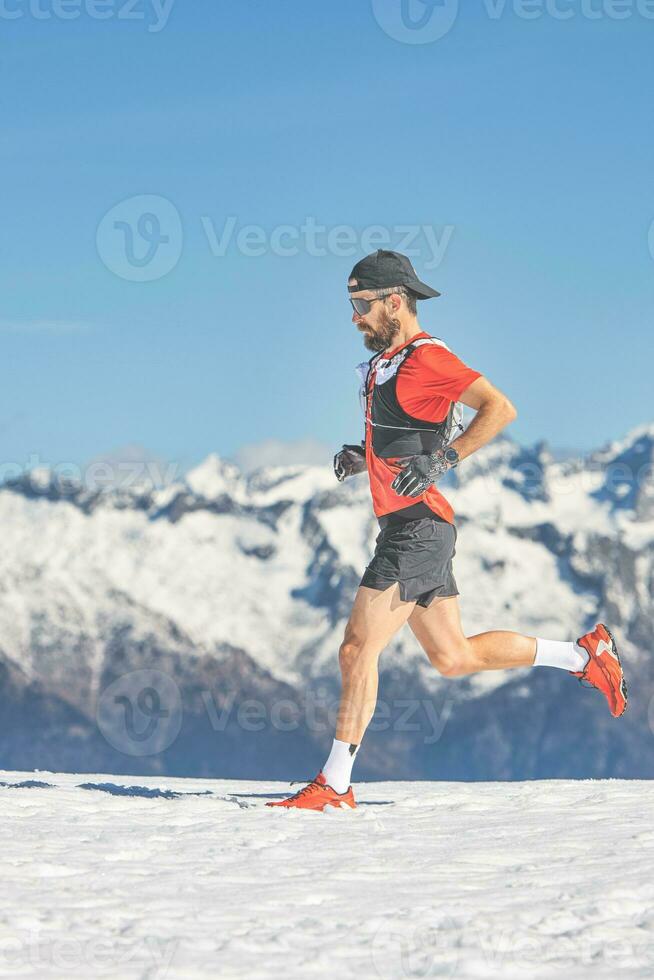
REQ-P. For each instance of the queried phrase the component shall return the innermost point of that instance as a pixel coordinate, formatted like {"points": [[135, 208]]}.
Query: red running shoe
{"points": [[604, 670], [316, 795]]}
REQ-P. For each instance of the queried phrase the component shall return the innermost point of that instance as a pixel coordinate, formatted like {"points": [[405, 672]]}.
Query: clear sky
{"points": [[518, 150]]}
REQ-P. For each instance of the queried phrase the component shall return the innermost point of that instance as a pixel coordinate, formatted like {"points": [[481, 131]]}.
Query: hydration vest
{"points": [[395, 433]]}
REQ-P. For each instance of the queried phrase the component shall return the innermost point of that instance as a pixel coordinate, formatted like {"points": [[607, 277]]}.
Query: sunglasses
{"points": [[363, 306]]}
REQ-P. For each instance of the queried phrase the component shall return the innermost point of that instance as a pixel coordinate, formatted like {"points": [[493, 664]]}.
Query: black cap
{"points": [[383, 269]]}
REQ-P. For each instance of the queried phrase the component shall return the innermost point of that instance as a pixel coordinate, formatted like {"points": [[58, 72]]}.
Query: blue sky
{"points": [[524, 146]]}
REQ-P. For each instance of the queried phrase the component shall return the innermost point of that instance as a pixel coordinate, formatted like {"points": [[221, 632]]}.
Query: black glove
{"points": [[350, 460], [419, 474]]}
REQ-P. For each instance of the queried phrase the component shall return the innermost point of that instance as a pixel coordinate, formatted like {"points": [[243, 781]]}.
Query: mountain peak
{"points": [[213, 477], [639, 439]]}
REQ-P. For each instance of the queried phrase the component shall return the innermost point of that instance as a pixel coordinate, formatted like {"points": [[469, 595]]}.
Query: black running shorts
{"points": [[417, 554]]}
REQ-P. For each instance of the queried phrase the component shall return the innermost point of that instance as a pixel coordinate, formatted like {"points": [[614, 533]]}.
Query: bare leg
{"points": [[439, 632], [375, 618]]}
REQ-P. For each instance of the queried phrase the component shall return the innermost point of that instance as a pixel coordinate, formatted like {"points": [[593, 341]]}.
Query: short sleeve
{"points": [[430, 380]]}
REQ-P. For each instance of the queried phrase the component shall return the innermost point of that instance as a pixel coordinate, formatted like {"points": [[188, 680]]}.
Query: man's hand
{"points": [[350, 460], [420, 473]]}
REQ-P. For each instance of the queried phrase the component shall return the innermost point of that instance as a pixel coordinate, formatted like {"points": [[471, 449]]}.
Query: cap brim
{"points": [[423, 291]]}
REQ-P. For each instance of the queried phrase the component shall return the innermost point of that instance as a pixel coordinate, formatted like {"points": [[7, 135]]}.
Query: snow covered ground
{"points": [[152, 878]]}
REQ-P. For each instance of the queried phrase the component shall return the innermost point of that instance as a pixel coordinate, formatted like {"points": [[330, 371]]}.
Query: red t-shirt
{"points": [[427, 383]]}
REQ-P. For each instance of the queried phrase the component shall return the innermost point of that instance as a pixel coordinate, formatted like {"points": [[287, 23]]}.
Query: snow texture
{"points": [[181, 878]]}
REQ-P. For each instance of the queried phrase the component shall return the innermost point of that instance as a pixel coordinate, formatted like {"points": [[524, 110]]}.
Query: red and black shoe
{"points": [[604, 670], [316, 795]]}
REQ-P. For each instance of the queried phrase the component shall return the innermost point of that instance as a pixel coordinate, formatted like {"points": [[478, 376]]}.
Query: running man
{"points": [[409, 388]]}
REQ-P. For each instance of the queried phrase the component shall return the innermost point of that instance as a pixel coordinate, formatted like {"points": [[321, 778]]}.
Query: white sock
{"points": [[555, 653], [338, 768]]}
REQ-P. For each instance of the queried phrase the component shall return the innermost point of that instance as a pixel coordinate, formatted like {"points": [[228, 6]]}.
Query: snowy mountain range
{"points": [[193, 629]]}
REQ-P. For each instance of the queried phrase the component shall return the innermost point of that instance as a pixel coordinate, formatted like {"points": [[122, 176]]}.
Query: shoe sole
{"points": [[332, 806], [623, 681]]}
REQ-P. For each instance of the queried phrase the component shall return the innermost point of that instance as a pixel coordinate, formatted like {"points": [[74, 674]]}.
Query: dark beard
{"points": [[384, 334]]}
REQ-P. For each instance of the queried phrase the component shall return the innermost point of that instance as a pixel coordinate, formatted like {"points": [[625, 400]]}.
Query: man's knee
{"points": [[348, 652], [351, 654], [455, 661]]}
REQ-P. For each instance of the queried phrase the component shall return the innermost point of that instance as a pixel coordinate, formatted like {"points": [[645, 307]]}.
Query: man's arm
{"points": [[494, 411]]}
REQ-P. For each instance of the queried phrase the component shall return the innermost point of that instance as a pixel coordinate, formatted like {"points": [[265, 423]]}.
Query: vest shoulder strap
{"points": [[426, 340], [366, 367]]}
